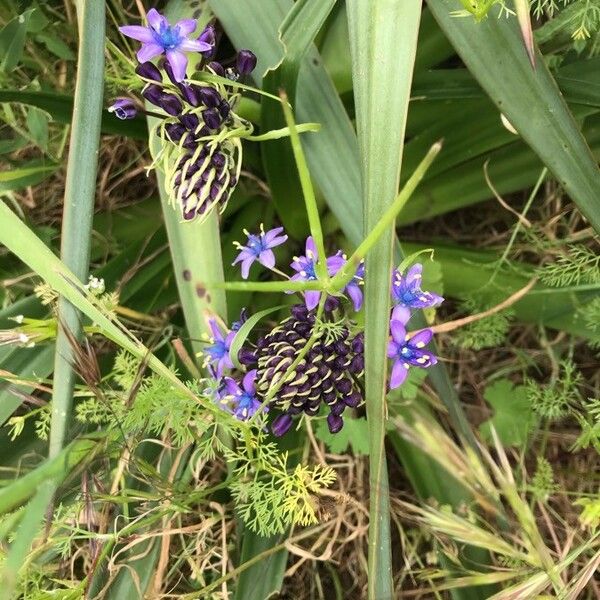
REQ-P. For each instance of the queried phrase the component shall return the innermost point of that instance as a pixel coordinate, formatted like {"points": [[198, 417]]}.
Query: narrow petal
{"points": [[312, 298], [232, 386], [246, 264], [421, 339], [149, 51], [194, 46], [248, 382], [356, 295], [273, 233], [178, 62], [137, 32], [216, 331], [392, 349], [398, 332], [414, 275], [156, 20], [267, 258], [335, 263], [186, 26], [401, 313], [311, 249], [277, 241], [399, 373]]}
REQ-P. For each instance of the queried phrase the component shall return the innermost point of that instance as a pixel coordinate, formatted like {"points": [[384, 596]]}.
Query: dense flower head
{"points": [[258, 248], [407, 293], [406, 351], [326, 375], [160, 37]]}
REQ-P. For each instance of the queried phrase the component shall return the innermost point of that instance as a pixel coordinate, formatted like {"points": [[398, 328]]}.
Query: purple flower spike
{"points": [[407, 293], [408, 351], [245, 402], [160, 37], [334, 422], [259, 248], [305, 270], [123, 108], [246, 62], [217, 353], [281, 425]]}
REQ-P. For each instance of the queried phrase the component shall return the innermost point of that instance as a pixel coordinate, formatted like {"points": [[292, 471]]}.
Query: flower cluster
{"points": [[202, 159], [312, 362]]}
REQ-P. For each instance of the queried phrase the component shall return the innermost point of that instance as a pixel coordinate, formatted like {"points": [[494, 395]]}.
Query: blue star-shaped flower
{"points": [[259, 248], [160, 37], [407, 293]]}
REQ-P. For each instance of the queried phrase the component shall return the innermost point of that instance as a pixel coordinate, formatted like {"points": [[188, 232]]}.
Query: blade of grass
{"points": [[80, 188], [530, 99], [383, 40]]}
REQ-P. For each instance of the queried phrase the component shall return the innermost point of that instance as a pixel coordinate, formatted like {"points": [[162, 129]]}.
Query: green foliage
{"points": [[484, 333], [513, 417], [269, 496], [590, 314], [542, 483], [354, 434], [590, 515], [578, 265], [588, 418], [556, 399]]}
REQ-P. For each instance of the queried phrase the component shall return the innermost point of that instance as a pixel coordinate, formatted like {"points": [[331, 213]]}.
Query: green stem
{"points": [[345, 274], [78, 210], [312, 210]]}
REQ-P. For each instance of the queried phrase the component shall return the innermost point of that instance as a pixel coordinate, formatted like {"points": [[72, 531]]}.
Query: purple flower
{"points": [[407, 293], [353, 289], [305, 270], [258, 248], [217, 353], [246, 62], [245, 402], [281, 424], [123, 108], [160, 37], [408, 352]]}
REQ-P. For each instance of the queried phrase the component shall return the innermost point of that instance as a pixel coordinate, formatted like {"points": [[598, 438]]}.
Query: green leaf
{"points": [[355, 434], [529, 98], [30, 173], [513, 417], [37, 124], [12, 41], [55, 45], [383, 40]]}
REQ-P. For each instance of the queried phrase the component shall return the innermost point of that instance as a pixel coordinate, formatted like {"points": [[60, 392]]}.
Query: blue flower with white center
{"points": [[160, 37], [217, 353], [259, 248], [407, 293], [244, 403], [408, 351], [305, 270]]}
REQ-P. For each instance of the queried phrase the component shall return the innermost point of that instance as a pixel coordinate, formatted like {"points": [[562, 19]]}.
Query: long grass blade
{"points": [[383, 40], [80, 191]]}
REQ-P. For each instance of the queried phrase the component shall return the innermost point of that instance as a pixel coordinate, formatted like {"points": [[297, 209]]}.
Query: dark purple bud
{"points": [[212, 118], [341, 348], [352, 400], [217, 68], [337, 408], [153, 93], [246, 62], [331, 304], [189, 215], [334, 422], [175, 131], [344, 386], [166, 65], [358, 364], [215, 190], [224, 109], [246, 357], [232, 182], [190, 93], [218, 160], [171, 104], [208, 37], [148, 70], [358, 344], [190, 121], [209, 97], [299, 311], [123, 108], [281, 425]]}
